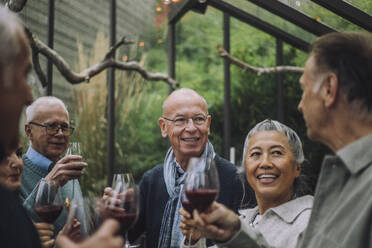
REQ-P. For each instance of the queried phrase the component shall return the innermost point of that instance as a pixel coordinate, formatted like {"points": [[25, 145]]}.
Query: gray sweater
{"points": [[31, 176]]}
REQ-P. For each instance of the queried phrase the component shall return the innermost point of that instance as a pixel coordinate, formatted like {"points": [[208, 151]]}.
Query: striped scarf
{"points": [[174, 177]]}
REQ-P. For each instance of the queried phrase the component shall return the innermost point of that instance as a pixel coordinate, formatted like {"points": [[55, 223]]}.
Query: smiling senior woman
{"points": [[272, 157], [11, 169]]}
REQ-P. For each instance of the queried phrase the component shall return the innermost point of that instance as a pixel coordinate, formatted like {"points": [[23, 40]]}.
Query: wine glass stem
{"points": [[126, 245], [73, 189], [190, 236]]}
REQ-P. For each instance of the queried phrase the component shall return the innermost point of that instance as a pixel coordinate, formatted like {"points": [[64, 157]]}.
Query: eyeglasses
{"points": [[182, 121], [53, 128]]}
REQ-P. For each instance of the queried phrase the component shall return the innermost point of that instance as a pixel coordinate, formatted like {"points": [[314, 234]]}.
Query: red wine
{"points": [[188, 206], [48, 213], [126, 219], [201, 199]]}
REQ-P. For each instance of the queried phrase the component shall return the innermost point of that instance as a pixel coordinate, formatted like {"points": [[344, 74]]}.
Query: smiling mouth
{"points": [[190, 139], [267, 178]]}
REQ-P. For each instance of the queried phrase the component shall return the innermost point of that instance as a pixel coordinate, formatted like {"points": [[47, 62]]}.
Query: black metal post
{"points": [[279, 81], [172, 52], [111, 98], [227, 104], [51, 45]]}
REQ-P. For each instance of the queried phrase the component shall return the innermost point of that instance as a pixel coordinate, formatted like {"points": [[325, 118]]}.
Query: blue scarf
{"points": [[174, 177]]}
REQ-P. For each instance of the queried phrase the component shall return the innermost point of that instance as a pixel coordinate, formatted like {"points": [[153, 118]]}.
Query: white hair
{"points": [[10, 31], [31, 110]]}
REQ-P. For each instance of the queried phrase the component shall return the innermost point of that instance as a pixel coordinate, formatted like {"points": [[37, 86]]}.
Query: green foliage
{"points": [[138, 143]]}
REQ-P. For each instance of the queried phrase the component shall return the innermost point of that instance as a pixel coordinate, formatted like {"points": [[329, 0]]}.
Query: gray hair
{"points": [[272, 125], [11, 30], [301, 185], [30, 110]]}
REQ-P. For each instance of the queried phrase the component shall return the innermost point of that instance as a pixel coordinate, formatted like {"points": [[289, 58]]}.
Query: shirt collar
{"points": [[287, 211], [357, 155], [38, 159]]}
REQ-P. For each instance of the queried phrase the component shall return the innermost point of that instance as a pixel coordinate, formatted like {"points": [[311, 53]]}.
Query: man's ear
{"points": [[28, 131], [330, 90], [163, 127], [209, 119]]}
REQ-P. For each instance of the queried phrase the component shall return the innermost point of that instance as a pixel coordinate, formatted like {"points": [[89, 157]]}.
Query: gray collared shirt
{"points": [[342, 212], [277, 227]]}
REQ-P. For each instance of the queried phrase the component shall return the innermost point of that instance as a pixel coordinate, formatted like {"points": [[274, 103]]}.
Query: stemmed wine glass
{"points": [[48, 202], [124, 203], [73, 149], [201, 183]]}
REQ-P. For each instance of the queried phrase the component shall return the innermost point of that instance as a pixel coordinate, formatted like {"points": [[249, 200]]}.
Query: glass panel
{"points": [[273, 19], [324, 15]]}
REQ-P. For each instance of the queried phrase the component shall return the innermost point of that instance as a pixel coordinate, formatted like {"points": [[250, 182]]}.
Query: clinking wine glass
{"points": [[124, 203], [201, 183], [187, 205], [48, 202]]}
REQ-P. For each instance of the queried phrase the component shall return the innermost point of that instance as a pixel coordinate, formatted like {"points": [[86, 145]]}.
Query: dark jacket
{"points": [[16, 228], [154, 197]]}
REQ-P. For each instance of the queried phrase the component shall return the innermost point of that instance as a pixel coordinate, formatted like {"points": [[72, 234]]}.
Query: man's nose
{"points": [[190, 124]]}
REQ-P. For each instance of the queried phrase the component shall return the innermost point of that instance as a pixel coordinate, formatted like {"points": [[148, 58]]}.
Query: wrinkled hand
{"points": [[218, 223], [73, 230], [104, 237], [188, 228], [67, 168], [111, 205], [45, 232]]}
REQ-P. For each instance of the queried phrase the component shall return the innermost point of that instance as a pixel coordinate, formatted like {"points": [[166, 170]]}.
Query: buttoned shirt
{"points": [[342, 212], [38, 159], [277, 227]]}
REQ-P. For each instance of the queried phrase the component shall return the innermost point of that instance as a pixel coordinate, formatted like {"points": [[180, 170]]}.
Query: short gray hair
{"points": [[10, 31], [30, 110], [301, 184], [272, 125]]}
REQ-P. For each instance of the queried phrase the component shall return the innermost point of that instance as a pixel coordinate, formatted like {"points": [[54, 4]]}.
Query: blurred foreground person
{"points": [[272, 158], [16, 229]]}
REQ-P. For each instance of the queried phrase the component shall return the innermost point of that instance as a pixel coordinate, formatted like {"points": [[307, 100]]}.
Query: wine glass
{"points": [[73, 149], [123, 204], [187, 205], [48, 202], [201, 183]]}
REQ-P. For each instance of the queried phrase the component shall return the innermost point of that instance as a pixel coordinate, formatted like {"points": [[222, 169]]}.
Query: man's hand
{"points": [[188, 228], [73, 230], [69, 167], [104, 237], [45, 231], [218, 223]]}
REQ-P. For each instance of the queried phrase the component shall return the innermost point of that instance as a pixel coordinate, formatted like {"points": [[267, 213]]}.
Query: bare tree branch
{"points": [[123, 41], [15, 5], [75, 78], [258, 70]]}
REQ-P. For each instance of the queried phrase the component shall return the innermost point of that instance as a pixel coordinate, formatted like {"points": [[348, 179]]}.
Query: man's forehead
{"points": [[47, 109], [178, 105]]}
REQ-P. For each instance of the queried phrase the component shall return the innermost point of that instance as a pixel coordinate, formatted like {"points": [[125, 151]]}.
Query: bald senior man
{"points": [[186, 123]]}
